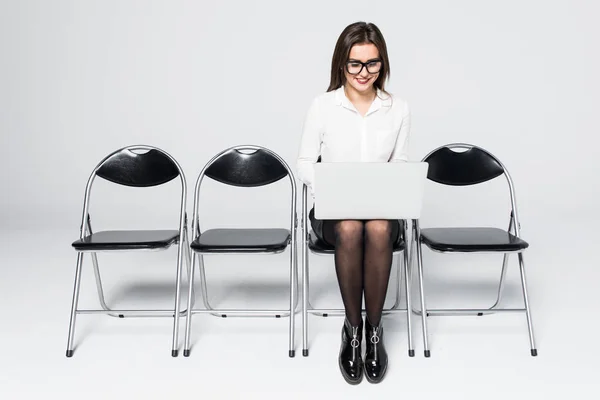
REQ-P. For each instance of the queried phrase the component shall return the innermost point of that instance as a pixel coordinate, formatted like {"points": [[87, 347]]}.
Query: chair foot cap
{"points": [[427, 353], [174, 353], [69, 353], [292, 353], [305, 352], [411, 353], [533, 352], [186, 353]]}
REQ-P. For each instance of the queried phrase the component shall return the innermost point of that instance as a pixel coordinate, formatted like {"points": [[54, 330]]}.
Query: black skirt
{"points": [[318, 227]]}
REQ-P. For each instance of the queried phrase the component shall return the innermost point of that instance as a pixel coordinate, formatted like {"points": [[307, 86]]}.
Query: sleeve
{"points": [[310, 146], [401, 149]]}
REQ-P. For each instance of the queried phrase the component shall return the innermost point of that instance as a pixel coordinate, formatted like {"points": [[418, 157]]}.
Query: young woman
{"points": [[356, 120]]}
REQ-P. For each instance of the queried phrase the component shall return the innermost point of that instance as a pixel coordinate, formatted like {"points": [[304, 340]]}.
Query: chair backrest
{"points": [[471, 166], [468, 167], [130, 168], [245, 166], [136, 166]]}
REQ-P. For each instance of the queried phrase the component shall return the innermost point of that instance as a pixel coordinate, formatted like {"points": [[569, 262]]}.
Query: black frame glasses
{"points": [[364, 65]]}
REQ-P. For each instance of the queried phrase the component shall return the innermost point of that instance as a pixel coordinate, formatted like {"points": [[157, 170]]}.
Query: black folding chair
{"points": [[244, 166], [312, 244], [136, 166], [470, 167]]}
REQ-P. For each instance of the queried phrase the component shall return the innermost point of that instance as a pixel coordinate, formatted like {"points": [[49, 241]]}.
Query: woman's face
{"points": [[361, 77]]}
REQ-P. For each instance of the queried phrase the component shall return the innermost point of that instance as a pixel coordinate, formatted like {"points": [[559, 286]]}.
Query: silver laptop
{"points": [[363, 190]]}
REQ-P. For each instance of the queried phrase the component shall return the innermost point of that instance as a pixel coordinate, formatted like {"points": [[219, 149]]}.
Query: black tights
{"points": [[363, 260]]}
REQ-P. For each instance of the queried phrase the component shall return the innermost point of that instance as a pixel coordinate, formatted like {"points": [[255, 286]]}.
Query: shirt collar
{"points": [[381, 100]]}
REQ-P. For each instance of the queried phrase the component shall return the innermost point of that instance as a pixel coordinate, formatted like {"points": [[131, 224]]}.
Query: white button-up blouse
{"points": [[337, 132]]}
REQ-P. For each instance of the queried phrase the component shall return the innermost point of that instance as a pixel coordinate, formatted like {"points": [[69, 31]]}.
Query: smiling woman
{"points": [[356, 120], [364, 42]]}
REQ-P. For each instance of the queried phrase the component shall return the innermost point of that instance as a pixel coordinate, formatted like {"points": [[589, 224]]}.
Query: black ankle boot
{"points": [[350, 359], [375, 357]]}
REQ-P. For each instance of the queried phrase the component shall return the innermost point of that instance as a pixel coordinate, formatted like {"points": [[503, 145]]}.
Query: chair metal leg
{"points": [[99, 286], [503, 273], [74, 304], [98, 278], [422, 291], [527, 308], [398, 283], [424, 312], [479, 312], [293, 300], [501, 284], [204, 288], [97, 274], [174, 348], [494, 307], [297, 306], [305, 294], [188, 320], [237, 312], [411, 261], [188, 259], [407, 284], [100, 289]]}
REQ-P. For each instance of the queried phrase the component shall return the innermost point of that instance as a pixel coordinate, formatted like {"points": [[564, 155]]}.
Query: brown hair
{"points": [[358, 33]]}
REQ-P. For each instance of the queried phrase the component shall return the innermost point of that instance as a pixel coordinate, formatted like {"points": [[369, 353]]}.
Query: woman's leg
{"points": [[379, 238], [348, 239], [377, 266]]}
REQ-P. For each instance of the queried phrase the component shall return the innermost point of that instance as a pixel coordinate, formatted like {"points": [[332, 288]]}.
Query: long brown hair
{"points": [[358, 33]]}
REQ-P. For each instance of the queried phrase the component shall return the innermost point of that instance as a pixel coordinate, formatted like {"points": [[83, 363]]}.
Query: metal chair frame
{"points": [[514, 227], [86, 229], [197, 256]]}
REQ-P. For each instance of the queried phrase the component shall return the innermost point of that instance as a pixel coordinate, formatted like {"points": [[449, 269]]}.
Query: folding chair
{"points": [[471, 167], [244, 166], [135, 166], [310, 242]]}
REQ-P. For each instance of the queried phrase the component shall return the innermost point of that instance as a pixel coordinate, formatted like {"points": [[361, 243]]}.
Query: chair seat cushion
{"points": [[471, 240], [127, 240], [242, 241], [318, 246]]}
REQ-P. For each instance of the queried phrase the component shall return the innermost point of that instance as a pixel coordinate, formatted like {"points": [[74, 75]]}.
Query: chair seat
{"points": [[318, 246], [471, 240], [242, 241], [127, 240]]}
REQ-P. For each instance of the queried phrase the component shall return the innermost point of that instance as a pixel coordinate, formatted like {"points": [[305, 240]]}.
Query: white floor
{"points": [[472, 357]]}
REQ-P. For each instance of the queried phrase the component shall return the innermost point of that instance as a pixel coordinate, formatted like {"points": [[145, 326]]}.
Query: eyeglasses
{"points": [[355, 67]]}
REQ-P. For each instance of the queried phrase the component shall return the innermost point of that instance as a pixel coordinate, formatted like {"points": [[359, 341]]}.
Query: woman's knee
{"points": [[349, 231], [378, 231]]}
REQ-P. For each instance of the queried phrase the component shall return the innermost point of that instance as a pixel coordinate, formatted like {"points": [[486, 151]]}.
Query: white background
{"points": [[79, 79]]}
